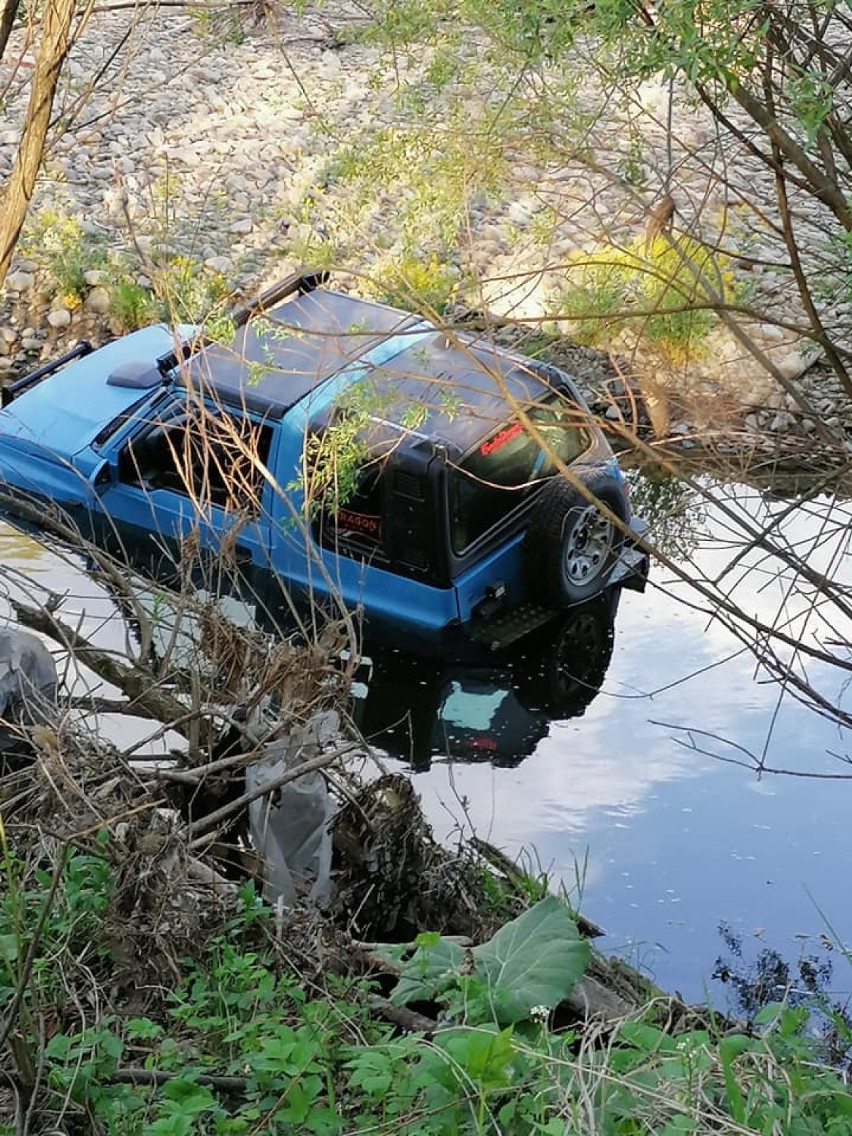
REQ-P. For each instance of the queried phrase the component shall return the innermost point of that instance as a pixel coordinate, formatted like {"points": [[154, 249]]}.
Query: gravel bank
{"points": [[217, 139]]}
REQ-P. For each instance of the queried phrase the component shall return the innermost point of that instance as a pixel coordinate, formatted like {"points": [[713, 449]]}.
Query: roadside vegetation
{"points": [[251, 1027]]}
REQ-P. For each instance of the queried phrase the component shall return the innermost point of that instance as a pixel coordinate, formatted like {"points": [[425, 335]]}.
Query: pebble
{"points": [[58, 318], [20, 281], [222, 264], [98, 301]]}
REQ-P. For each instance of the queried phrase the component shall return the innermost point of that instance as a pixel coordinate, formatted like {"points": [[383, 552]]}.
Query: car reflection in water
{"points": [[497, 711]]}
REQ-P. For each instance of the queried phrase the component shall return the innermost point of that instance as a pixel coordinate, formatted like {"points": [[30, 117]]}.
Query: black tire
{"points": [[570, 546], [565, 664]]}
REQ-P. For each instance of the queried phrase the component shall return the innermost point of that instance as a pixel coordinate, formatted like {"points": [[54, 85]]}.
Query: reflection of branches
{"points": [[672, 508], [747, 760]]}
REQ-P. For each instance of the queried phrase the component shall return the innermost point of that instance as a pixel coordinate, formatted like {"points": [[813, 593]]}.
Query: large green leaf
{"points": [[425, 974], [533, 961]]}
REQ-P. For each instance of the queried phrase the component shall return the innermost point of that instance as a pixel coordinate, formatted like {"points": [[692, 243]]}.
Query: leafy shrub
{"points": [[58, 245], [423, 286], [132, 305], [660, 289]]}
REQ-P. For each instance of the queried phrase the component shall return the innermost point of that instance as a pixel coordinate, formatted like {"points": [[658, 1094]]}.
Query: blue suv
{"points": [[345, 451]]}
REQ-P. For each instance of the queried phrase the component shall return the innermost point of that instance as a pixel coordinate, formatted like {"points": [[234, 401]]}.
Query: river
{"points": [[645, 804], [681, 854]]}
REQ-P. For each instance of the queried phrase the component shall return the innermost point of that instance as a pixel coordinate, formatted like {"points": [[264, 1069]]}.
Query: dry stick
{"points": [[401, 1016], [204, 824], [135, 683], [16, 1090], [136, 1076], [198, 772], [8, 12]]}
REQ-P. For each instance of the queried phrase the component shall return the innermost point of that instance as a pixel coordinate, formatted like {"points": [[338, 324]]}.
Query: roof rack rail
{"points": [[297, 284], [7, 394]]}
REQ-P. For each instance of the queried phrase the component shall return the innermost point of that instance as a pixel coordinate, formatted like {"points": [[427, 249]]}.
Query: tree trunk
{"points": [[54, 42], [8, 12]]}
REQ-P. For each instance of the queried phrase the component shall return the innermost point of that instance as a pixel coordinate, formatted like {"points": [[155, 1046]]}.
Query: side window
{"points": [[211, 457], [496, 476]]}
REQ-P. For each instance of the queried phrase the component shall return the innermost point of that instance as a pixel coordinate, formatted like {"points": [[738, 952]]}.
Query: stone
{"points": [[98, 301], [221, 264], [780, 423], [793, 365], [241, 227], [95, 276], [20, 281], [59, 318], [30, 343], [8, 335]]}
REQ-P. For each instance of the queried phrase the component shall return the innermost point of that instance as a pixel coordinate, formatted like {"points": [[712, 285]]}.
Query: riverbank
{"points": [[154, 978], [146, 992]]}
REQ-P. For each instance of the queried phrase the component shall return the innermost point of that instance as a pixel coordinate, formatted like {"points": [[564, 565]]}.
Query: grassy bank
{"points": [[147, 987], [249, 1027]]}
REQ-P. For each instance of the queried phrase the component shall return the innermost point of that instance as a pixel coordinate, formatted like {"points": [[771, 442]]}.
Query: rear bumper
{"points": [[633, 564]]}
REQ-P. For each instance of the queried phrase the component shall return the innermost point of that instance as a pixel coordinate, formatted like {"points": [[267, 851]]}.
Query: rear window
{"points": [[501, 471]]}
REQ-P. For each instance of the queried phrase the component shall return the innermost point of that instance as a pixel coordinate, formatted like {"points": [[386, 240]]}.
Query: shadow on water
{"points": [[498, 711]]}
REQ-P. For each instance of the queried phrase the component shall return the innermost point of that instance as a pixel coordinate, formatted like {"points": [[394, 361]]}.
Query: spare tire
{"points": [[570, 545]]}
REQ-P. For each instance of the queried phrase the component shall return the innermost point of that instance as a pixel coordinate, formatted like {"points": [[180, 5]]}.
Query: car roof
{"points": [[456, 388], [280, 356]]}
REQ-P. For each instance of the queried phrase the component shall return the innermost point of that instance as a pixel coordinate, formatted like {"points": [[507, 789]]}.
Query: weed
{"points": [[186, 291], [425, 286], [662, 290], [240, 1044], [132, 305], [58, 245]]}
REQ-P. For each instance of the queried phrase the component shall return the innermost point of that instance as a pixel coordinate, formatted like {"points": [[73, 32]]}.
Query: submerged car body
{"points": [[348, 451]]}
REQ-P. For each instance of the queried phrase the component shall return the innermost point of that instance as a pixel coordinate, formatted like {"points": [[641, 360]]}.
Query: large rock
{"points": [[20, 281], [98, 301]]}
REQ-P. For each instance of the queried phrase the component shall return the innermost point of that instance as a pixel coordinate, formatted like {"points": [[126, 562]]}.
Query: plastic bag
{"points": [[290, 827]]}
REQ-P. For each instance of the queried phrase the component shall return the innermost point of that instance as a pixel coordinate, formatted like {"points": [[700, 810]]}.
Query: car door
{"points": [[191, 476]]}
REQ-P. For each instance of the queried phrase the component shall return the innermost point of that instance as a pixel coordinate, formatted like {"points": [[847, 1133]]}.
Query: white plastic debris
{"points": [[290, 827]]}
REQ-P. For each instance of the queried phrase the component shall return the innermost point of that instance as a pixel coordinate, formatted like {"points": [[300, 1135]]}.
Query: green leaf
{"points": [[425, 973], [535, 960], [142, 1029], [9, 948]]}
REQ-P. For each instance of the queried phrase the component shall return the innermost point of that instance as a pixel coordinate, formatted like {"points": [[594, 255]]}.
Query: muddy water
{"points": [[642, 798]]}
